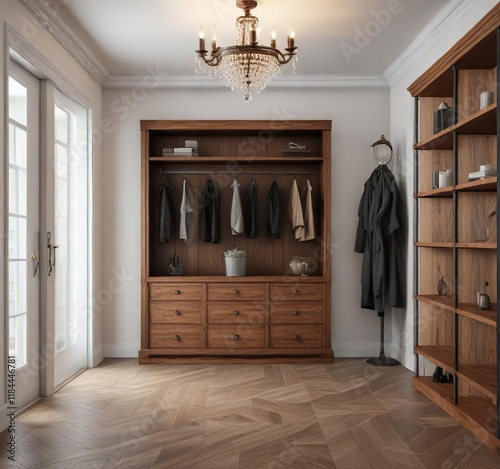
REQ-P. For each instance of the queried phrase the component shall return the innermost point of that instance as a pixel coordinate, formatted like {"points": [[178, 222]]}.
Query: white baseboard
{"points": [[97, 357], [120, 350], [356, 350]]}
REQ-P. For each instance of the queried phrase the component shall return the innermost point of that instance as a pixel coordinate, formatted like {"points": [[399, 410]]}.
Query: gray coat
{"points": [[378, 237]]}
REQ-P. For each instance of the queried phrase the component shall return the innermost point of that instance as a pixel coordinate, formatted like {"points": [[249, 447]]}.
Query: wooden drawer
{"points": [[297, 291], [175, 336], [241, 336], [236, 312], [297, 312], [236, 291], [296, 336], [175, 312], [178, 291]]}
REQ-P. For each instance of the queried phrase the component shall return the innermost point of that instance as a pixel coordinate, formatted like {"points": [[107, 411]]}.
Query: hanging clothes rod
{"points": [[160, 171]]}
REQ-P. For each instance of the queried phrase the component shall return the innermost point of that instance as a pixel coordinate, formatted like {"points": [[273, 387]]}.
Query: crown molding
{"points": [[152, 81], [441, 24], [46, 15]]}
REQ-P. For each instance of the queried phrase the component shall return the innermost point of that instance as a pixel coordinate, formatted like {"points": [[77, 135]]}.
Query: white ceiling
{"points": [[127, 36]]}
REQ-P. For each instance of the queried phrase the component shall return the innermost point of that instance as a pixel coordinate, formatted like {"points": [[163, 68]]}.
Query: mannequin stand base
{"points": [[382, 360]]}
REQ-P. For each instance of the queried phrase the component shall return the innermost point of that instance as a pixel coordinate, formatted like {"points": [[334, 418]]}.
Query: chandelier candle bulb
{"points": [[214, 39], [273, 38], [291, 38], [201, 36], [253, 36]]}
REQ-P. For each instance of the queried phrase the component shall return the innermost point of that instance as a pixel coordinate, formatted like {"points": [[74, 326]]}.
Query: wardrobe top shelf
{"points": [[228, 126], [235, 159], [476, 50]]}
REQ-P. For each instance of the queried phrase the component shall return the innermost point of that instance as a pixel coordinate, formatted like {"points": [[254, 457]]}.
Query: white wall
{"points": [[402, 117], [12, 13], [359, 115]]}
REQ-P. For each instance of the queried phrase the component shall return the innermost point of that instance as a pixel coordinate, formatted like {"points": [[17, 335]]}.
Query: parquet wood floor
{"points": [[346, 415]]}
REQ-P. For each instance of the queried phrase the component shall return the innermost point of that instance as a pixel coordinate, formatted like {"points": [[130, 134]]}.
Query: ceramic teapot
{"points": [[298, 265]]}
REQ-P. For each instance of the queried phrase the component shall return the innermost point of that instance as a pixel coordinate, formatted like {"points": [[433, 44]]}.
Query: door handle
{"points": [[52, 253], [36, 263]]}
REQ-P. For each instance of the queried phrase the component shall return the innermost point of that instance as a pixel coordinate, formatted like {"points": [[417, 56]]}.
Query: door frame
{"points": [[29, 57]]}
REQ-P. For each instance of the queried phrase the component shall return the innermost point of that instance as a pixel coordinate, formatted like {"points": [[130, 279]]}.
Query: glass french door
{"points": [[68, 240], [23, 231]]}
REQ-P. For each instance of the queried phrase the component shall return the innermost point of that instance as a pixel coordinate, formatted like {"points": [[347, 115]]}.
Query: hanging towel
{"points": [[273, 210], [186, 207], [211, 213], [252, 221], [295, 211], [237, 225], [309, 232], [167, 214]]}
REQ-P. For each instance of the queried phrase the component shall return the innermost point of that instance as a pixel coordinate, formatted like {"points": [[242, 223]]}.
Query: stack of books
{"points": [[190, 148]]}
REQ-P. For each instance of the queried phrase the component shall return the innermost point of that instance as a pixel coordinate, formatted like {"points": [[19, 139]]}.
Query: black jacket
{"points": [[167, 212], [211, 213], [378, 237], [273, 210], [251, 217]]}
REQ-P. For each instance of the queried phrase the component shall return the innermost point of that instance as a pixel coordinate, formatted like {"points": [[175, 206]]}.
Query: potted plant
{"points": [[236, 262]]}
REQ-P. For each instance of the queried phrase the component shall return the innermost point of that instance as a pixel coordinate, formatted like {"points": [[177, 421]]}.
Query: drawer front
{"points": [[310, 312], [242, 336], [175, 336], [178, 291], [175, 312], [236, 291], [296, 336], [236, 312], [298, 291]]}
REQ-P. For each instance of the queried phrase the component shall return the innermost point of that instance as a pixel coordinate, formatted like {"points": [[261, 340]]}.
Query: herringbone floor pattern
{"points": [[346, 415]]}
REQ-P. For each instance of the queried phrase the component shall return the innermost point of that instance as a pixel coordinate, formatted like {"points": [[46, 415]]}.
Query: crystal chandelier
{"points": [[246, 65]]}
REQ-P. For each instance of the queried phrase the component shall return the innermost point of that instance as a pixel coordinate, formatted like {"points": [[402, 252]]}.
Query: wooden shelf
{"points": [[444, 302], [486, 184], [483, 122], [425, 384], [226, 279], [440, 355], [482, 377], [479, 416], [486, 316], [476, 245], [475, 414], [423, 244], [235, 159], [441, 141], [442, 192]]}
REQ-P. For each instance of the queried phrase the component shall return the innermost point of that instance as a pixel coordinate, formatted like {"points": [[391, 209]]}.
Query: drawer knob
{"points": [[177, 312], [297, 338], [297, 291], [177, 292], [236, 337], [236, 312], [296, 313], [236, 292], [177, 337]]}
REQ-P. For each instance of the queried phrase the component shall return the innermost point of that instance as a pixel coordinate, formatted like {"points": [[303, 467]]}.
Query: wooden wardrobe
{"points": [[268, 315]]}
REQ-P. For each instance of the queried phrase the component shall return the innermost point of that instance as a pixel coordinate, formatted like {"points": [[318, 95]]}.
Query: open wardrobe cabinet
{"points": [[200, 314]]}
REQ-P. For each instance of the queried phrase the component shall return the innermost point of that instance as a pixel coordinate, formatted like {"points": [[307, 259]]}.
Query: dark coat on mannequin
{"points": [[378, 238]]}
